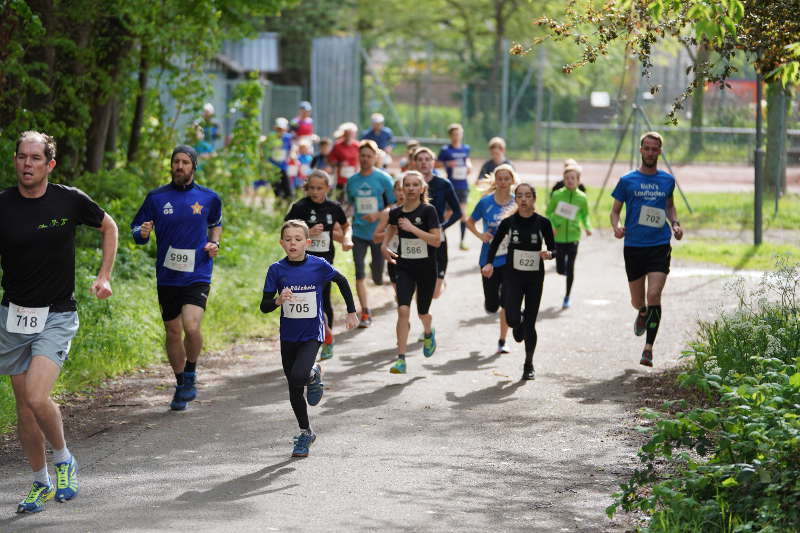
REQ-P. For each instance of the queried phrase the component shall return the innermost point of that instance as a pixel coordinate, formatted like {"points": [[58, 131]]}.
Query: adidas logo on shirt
{"points": [[167, 208]]}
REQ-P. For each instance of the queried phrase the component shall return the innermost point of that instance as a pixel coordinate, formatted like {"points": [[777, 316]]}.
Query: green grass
{"points": [[738, 256], [125, 332]]}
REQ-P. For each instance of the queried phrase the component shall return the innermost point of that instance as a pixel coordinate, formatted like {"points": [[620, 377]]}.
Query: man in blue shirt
{"points": [[454, 158], [442, 196], [367, 190], [649, 207], [381, 135], [187, 219]]}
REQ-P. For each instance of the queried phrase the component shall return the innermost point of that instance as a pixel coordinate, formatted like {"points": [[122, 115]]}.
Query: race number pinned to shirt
{"points": [[414, 249], [26, 320], [526, 260], [460, 173], [503, 248], [346, 172], [366, 205], [653, 217], [321, 242], [566, 210], [302, 305], [179, 259]]}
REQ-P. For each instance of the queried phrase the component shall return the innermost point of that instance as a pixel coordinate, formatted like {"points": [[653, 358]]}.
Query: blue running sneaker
{"points": [[315, 387], [326, 353], [399, 367], [188, 391], [429, 344], [302, 443], [36, 498], [178, 403], [66, 480], [566, 304]]}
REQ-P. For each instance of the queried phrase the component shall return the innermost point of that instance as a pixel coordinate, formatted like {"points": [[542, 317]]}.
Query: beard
{"points": [[181, 178], [649, 162]]}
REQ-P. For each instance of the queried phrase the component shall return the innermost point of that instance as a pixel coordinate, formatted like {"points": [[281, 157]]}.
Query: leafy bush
{"points": [[734, 466]]}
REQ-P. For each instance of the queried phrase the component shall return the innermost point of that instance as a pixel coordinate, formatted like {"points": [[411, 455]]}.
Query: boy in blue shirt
{"points": [[454, 158], [295, 284], [187, 219], [368, 190], [649, 205]]}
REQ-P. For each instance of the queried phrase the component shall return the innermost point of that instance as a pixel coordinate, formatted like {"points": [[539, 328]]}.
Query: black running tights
{"points": [[566, 252], [516, 288], [297, 359]]}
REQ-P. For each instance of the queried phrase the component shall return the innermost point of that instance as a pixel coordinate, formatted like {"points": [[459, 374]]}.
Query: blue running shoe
{"points": [[36, 498], [178, 403], [566, 304], [66, 480], [315, 387], [326, 353], [302, 443], [188, 391], [399, 367], [429, 344]]}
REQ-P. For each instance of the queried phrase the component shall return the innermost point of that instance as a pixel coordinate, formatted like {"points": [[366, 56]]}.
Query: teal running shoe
{"points": [[326, 353], [315, 387], [429, 344], [399, 367], [36, 498], [188, 391], [66, 480], [302, 443]]}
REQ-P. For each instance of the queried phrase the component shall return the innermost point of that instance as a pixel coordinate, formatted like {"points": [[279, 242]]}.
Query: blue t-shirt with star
{"points": [[368, 194], [301, 318], [181, 219], [649, 191]]}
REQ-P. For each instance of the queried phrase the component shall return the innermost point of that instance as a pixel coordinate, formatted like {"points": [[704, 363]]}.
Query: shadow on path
{"points": [[365, 400], [241, 487], [500, 392]]}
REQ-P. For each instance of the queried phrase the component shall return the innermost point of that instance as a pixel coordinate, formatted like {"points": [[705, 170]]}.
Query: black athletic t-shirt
{"points": [[37, 245], [413, 251], [526, 234], [327, 213]]}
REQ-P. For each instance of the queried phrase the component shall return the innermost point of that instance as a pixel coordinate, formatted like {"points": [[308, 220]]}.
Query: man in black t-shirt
{"points": [[38, 312]]}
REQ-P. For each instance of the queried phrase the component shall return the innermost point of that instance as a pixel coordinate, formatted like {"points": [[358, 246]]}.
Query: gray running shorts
{"points": [[17, 349]]}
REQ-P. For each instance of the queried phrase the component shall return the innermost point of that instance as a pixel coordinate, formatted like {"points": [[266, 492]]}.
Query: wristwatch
{"points": [[676, 223], [216, 243]]}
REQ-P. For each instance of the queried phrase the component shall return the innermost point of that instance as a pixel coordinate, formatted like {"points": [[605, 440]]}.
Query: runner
{"points": [[497, 149], [368, 191], [442, 197], [454, 158], [524, 274], [568, 210], [490, 209], [382, 136], [295, 284], [649, 205], [343, 157], [560, 183], [380, 232], [322, 216], [279, 157], [407, 161], [302, 126], [187, 220], [38, 314], [417, 225]]}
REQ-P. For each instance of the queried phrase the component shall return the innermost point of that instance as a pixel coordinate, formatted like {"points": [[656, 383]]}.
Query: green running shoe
{"points": [[36, 498], [326, 352], [429, 345], [66, 480], [399, 367]]}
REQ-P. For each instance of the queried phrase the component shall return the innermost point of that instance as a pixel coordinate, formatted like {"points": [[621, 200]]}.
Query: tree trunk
{"points": [[96, 136], [494, 75], [138, 113], [775, 159], [113, 131], [698, 97]]}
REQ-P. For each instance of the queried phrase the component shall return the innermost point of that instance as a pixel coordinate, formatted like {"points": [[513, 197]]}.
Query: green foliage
{"points": [[739, 256], [733, 466]]}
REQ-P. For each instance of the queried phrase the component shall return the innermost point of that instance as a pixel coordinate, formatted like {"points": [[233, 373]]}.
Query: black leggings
{"points": [[297, 359], [517, 286], [492, 290], [421, 280], [566, 252]]}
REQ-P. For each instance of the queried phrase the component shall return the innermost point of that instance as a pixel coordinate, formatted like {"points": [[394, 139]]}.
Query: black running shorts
{"points": [[641, 260], [172, 299]]}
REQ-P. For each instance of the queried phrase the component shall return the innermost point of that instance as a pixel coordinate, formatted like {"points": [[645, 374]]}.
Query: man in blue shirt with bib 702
{"points": [[650, 221], [187, 220]]}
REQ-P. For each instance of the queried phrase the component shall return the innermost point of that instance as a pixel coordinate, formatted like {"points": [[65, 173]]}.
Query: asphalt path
{"points": [[457, 444]]}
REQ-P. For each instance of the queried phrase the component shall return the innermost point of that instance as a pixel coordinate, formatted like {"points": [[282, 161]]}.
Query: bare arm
{"points": [[672, 216], [616, 211], [110, 239]]}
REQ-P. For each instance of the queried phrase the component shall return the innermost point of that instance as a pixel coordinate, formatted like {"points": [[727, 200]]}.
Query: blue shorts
{"points": [[17, 349]]}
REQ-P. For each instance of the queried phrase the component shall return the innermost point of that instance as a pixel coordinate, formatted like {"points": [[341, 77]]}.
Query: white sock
{"points": [[61, 456], [42, 476], [308, 431]]}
